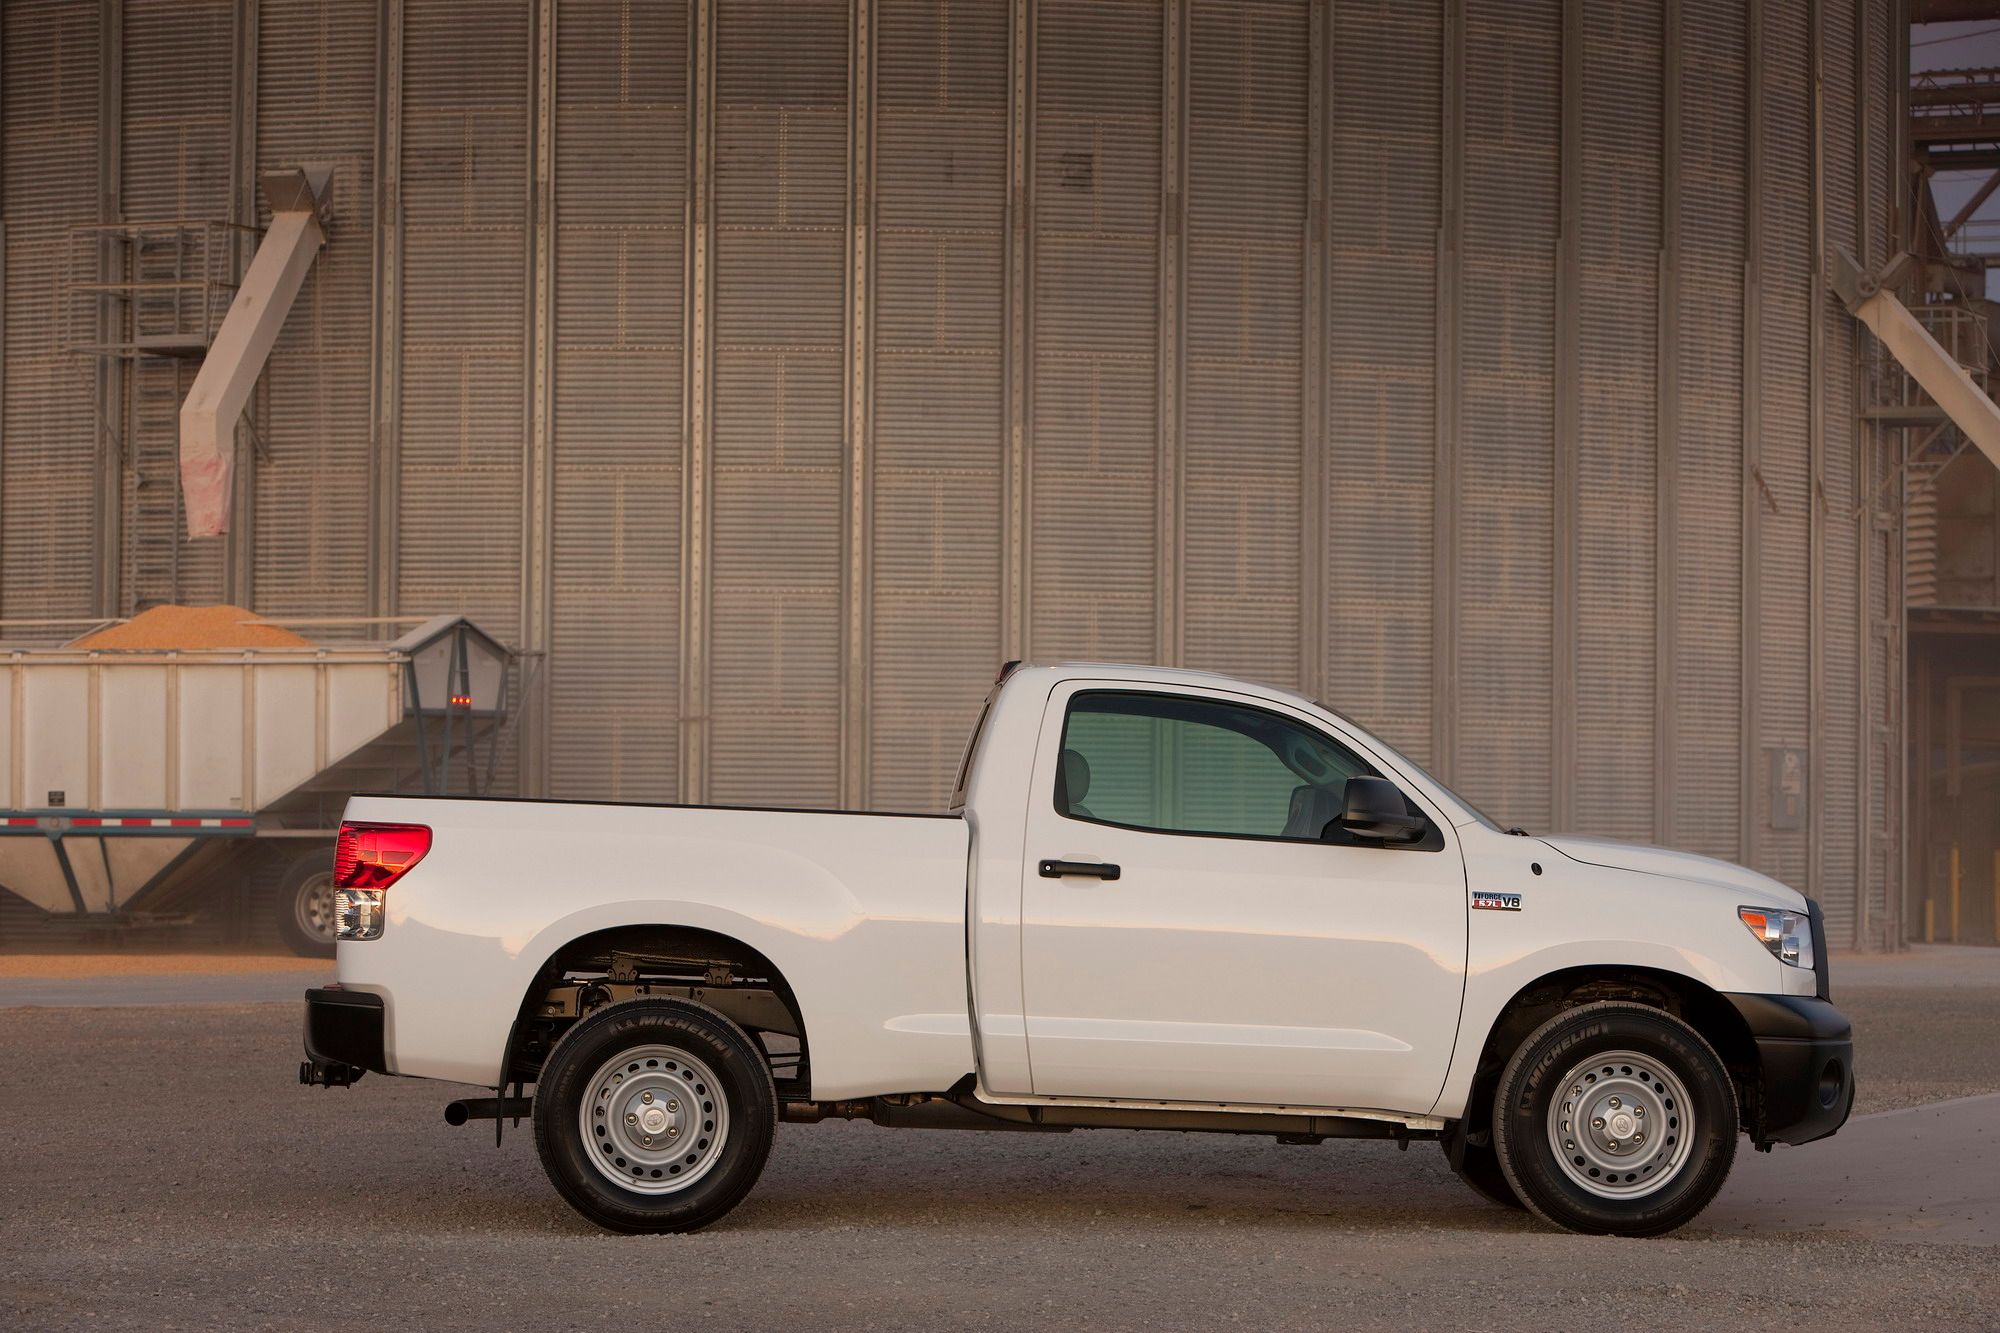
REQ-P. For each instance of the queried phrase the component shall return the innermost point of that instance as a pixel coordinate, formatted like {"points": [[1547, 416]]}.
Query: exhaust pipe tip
{"points": [[457, 1113]]}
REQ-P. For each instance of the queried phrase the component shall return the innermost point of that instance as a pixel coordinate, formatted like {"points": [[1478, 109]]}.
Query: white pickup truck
{"points": [[1161, 900]]}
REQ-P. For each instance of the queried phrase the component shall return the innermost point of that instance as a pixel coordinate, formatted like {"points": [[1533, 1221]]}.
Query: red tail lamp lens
{"points": [[374, 856]]}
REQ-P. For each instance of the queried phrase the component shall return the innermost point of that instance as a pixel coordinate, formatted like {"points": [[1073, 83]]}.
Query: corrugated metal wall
{"points": [[51, 90], [773, 369], [310, 485], [175, 163]]}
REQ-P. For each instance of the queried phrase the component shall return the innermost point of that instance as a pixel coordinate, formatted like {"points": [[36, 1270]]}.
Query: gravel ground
{"points": [[163, 1169], [1926, 1024]]}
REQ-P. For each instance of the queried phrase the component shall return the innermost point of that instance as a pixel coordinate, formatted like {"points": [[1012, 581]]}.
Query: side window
{"points": [[1180, 764]]}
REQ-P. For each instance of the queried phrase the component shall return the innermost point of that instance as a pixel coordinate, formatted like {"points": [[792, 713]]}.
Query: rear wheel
{"points": [[1615, 1119], [654, 1115], [304, 905]]}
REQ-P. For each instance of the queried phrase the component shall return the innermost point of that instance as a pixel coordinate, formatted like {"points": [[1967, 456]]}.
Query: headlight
{"points": [[1788, 935]]}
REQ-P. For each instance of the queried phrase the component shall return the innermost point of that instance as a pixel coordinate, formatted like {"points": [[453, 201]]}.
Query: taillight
{"points": [[367, 859], [374, 856]]}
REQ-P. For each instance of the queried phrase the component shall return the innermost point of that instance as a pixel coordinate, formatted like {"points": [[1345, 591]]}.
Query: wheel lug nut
{"points": [[673, 1131], [1614, 1103], [673, 1104], [1597, 1122], [1638, 1139], [631, 1119], [645, 1096], [1638, 1113], [646, 1139]]}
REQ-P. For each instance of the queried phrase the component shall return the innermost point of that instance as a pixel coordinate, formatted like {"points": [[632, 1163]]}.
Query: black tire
{"points": [[303, 906], [1479, 1167], [1555, 1061], [653, 1029]]}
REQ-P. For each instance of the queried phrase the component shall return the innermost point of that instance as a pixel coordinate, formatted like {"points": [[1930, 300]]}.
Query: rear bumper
{"points": [[343, 1037], [1805, 1084]]}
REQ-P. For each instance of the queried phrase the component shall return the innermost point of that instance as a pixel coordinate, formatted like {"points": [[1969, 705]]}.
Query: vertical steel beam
{"points": [[1315, 337], [1816, 591], [857, 524], [386, 379], [1444, 514], [1170, 554], [538, 509], [1750, 675], [107, 438], [1667, 410], [1018, 294], [695, 416], [239, 563], [1568, 418]]}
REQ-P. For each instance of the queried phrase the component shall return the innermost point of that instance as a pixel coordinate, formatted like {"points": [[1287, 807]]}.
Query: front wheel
{"points": [[1615, 1119], [654, 1115]]}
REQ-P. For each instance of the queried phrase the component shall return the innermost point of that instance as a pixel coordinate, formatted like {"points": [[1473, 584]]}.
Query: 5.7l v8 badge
{"points": [[1496, 902]]}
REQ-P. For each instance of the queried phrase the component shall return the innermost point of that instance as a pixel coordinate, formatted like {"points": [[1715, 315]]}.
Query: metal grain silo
{"points": [[778, 367]]}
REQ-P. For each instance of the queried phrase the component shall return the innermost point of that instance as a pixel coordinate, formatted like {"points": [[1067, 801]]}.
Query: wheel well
{"points": [[1700, 1007], [704, 965]]}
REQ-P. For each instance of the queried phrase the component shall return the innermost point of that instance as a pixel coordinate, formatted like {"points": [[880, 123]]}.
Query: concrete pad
{"points": [[1926, 1175], [181, 989]]}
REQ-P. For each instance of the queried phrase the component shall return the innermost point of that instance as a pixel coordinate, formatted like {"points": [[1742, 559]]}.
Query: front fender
{"points": [[1575, 915]]}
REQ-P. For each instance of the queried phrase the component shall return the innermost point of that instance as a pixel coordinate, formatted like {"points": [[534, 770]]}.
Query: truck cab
{"points": [[1160, 899]]}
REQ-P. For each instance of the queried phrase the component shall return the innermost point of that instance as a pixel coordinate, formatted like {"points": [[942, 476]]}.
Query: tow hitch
{"points": [[328, 1074]]}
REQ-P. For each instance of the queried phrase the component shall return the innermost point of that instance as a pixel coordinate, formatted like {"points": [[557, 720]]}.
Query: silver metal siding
{"points": [[49, 83], [175, 164], [780, 254], [1093, 525], [620, 156], [1384, 197], [1246, 220], [465, 309], [1702, 661], [1505, 473], [315, 103], [1618, 243], [1781, 477], [940, 211]]}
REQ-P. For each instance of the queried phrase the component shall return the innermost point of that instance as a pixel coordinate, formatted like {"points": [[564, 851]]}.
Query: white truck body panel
{"points": [[863, 914], [1220, 972], [1324, 975]]}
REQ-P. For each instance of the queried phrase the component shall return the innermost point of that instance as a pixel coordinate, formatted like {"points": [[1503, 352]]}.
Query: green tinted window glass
{"points": [[1181, 764]]}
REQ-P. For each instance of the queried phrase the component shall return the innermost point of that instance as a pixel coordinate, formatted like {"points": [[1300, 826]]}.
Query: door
{"points": [[1245, 949]]}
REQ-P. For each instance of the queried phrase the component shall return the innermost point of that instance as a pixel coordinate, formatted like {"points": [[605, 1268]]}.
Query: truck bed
{"points": [[864, 914]]}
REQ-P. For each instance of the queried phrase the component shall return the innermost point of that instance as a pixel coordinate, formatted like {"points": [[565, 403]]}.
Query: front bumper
{"points": [[343, 1037], [1805, 1082]]}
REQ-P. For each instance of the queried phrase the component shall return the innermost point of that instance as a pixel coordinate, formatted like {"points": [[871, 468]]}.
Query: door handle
{"points": [[1092, 869]]}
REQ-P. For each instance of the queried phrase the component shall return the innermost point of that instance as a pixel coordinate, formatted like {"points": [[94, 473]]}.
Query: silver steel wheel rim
{"points": [[654, 1119], [313, 906], [1621, 1125]]}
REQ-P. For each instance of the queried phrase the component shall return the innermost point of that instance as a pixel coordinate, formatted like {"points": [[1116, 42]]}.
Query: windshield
{"points": [[1404, 761]]}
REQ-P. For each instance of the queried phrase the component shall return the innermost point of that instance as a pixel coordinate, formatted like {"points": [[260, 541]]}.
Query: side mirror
{"points": [[1375, 808]]}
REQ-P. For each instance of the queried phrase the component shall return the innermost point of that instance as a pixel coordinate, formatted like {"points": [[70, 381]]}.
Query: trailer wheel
{"points": [[654, 1115], [304, 905], [1615, 1119]]}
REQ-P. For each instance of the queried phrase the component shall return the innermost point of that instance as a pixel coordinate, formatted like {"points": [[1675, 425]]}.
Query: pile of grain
{"points": [[193, 627]]}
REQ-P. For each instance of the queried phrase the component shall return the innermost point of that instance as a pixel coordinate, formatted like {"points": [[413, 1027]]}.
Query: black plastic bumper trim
{"points": [[344, 1028], [1805, 1083]]}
